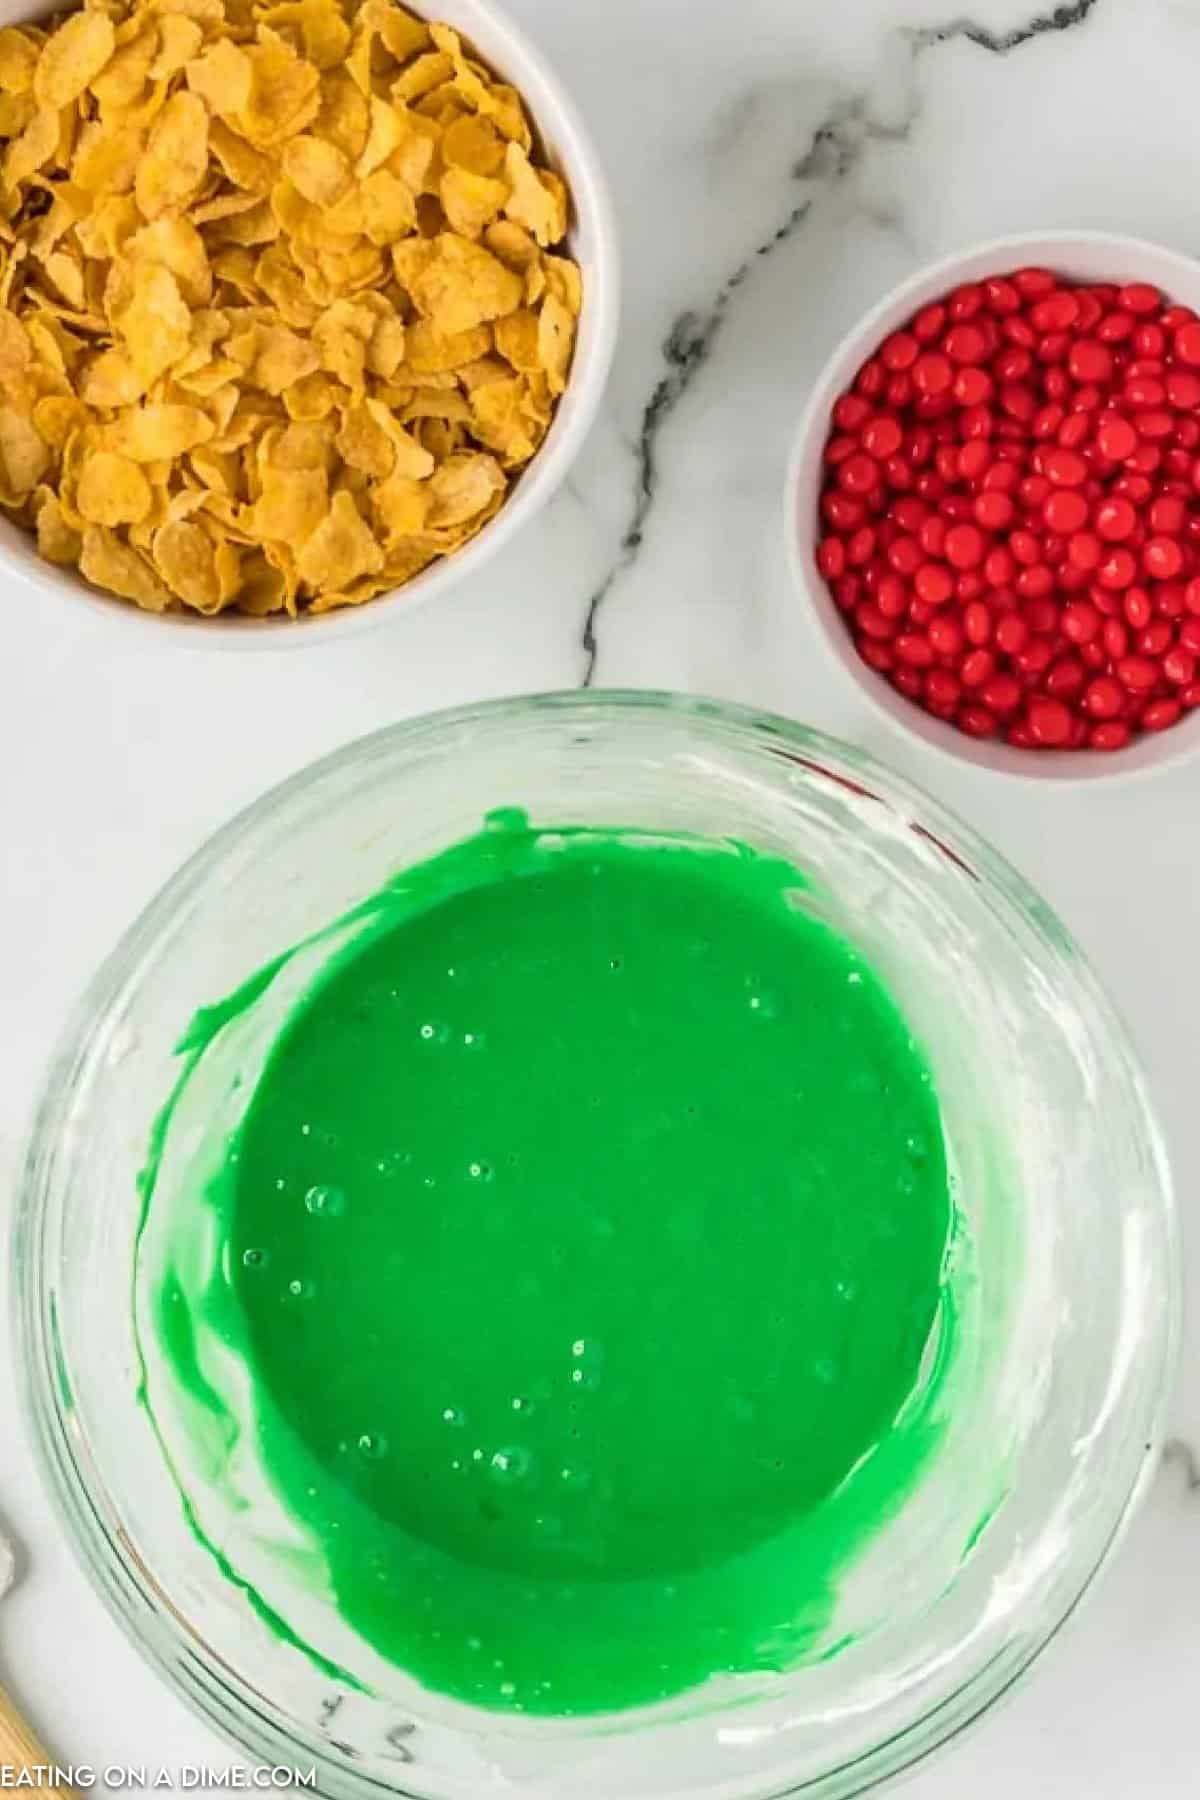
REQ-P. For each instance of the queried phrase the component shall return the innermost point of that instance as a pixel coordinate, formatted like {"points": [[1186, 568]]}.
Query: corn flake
{"points": [[110, 380], [364, 444], [312, 397], [555, 338], [538, 199], [57, 541], [115, 566], [24, 457], [389, 208], [472, 144], [223, 77], [318, 170], [185, 557], [470, 201], [16, 351], [462, 488], [159, 432], [341, 548], [176, 159], [284, 91], [462, 285], [263, 588], [33, 149], [178, 246], [293, 502], [403, 36], [16, 110], [385, 134], [155, 321], [401, 506], [423, 75], [18, 60], [179, 39], [112, 490], [72, 57], [343, 117], [56, 416], [317, 29], [122, 83]]}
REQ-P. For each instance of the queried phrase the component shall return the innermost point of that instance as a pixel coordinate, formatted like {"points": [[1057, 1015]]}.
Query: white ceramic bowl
{"points": [[594, 245], [1084, 256]]}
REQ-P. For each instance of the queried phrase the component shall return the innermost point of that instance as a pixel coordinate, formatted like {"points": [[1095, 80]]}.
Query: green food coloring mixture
{"points": [[582, 1234]]}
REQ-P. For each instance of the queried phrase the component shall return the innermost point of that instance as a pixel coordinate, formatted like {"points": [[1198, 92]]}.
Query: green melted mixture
{"points": [[582, 1234]]}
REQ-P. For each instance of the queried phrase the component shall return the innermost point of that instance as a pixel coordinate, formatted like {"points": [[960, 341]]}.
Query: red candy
{"points": [[1064, 468], [899, 352], [965, 344], [1117, 570], [1050, 722], [1010, 520], [1089, 361], [1140, 297], [994, 510], [1065, 512], [932, 374], [966, 546], [972, 386], [882, 437], [859, 474], [933, 584], [1115, 520], [1115, 438]]}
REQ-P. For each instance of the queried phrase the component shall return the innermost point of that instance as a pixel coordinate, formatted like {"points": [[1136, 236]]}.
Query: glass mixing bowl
{"points": [[1066, 1289]]}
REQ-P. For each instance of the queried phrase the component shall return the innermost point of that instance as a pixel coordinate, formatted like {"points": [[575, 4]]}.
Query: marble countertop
{"points": [[777, 165]]}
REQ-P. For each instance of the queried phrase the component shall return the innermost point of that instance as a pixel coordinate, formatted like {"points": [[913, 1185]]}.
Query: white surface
{"points": [[846, 145], [1083, 255]]}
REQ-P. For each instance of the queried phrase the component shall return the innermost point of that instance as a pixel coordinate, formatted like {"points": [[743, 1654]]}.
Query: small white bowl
{"points": [[1084, 256], [592, 241]]}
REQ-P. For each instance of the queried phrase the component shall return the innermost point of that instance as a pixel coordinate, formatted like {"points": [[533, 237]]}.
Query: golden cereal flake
{"points": [[57, 541], [176, 159], [18, 60], [72, 57], [223, 77], [33, 149], [112, 490], [155, 321], [463, 285], [340, 549], [292, 504], [109, 563], [186, 558], [24, 457], [318, 170], [122, 82], [159, 432]]}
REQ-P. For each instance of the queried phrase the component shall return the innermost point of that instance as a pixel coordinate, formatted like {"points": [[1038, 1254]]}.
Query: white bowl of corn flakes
{"points": [[304, 305]]}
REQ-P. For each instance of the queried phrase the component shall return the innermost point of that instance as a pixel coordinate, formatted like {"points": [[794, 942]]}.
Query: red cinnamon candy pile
{"points": [[1010, 517]]}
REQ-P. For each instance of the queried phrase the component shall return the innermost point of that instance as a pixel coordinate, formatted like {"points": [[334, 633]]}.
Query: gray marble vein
{"points": [[1001, 42], [833, 151]]}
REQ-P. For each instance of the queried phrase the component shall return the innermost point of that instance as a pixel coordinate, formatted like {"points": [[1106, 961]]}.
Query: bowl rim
{"points": [[1148, 755], [526, 66], [111, 1563]]}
